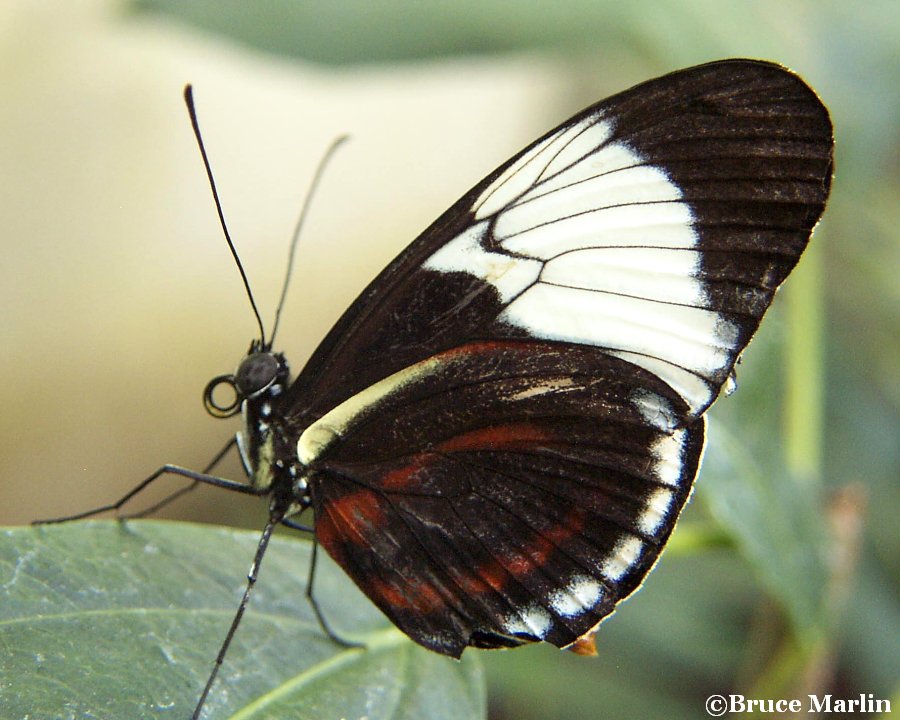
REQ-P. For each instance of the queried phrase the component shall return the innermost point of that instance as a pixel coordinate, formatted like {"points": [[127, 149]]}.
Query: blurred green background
{"points": [[120, 300]]}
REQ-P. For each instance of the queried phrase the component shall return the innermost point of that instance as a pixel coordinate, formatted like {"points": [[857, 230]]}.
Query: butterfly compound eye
{"points": [[255, 374]]}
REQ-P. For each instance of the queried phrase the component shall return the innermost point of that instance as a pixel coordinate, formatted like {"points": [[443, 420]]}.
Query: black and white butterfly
{"points": [[497, 437]]}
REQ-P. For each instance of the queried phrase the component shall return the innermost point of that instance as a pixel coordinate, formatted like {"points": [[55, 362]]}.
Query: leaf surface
{"points": [[108, 620]]}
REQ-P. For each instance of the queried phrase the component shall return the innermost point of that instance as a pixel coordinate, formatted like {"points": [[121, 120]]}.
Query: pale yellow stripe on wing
{"points": [[336, 423]]}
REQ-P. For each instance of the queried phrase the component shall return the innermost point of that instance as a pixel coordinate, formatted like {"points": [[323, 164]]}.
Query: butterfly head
{"points": [[262, 374]]}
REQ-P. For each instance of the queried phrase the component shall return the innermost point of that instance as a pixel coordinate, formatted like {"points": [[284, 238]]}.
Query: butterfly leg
{"points": [[323, 623], [196, 477], [298, 526], [275, 517], [186, 489]]}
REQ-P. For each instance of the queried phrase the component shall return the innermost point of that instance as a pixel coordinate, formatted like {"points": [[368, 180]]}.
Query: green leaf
{"points": [[361, 31], [776, 520], [108, 620]]}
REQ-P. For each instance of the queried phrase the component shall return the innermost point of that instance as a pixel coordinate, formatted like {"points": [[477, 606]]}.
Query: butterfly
{"points": [[497, 437]]}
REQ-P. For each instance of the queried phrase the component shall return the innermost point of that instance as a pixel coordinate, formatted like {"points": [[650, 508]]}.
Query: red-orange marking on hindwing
{"points": [[497, 437], [483, 347], [419, 596], [490, 574], [352, 518], [404, 477], [533, 555], [329, 538]]}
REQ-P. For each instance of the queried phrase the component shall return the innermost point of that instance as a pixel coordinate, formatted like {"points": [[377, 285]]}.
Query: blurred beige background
{"points": [[120, 297]]}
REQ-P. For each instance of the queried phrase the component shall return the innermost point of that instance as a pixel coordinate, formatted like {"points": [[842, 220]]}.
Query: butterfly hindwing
{"points": [[510, 491], [501, 431]]}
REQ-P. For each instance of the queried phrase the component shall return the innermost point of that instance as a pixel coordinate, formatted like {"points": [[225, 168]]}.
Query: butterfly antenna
{"points": [[189, 101], [320, 171]]}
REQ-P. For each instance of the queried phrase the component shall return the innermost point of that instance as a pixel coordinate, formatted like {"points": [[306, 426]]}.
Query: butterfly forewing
{"points": [[502, 429], [683, 203]]}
